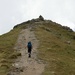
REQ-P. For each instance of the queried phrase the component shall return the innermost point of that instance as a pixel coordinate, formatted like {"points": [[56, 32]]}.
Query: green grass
{"points": [[58, 55], [54, 50], [7, 53]]}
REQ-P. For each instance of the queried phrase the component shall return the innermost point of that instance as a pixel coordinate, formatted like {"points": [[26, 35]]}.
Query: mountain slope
{"points": [[7, 53], [56, 47]]}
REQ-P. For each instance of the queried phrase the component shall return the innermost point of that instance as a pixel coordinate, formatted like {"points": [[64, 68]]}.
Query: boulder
{"points": [[41, 18]]}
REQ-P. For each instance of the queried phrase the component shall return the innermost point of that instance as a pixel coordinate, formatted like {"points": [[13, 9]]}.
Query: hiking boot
{"points": [[29, 55]]}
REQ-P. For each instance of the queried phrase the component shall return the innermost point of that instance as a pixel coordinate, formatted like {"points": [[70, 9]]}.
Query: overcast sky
{"points": [[13, 12]]}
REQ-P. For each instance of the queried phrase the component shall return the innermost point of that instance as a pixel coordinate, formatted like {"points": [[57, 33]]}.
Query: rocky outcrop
{"points": [[67, 28], [38, 19], [31, 21], [41, 18]]}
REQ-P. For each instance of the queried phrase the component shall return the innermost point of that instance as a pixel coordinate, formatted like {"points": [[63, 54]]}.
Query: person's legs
{"points": [[29, 55], [29, 52]]}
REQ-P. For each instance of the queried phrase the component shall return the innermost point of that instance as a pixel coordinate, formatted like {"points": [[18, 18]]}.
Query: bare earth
{"points": [[25, 65]]}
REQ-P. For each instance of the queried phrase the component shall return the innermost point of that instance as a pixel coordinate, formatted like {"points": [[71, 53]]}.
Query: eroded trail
{"points": [[31, 66]]}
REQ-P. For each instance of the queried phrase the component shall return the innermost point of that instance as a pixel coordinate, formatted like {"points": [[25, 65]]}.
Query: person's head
{"points": [[29, 42]]}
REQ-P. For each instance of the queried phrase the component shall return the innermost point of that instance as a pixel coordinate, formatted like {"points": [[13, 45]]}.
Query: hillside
{"points": [[56, 47]]}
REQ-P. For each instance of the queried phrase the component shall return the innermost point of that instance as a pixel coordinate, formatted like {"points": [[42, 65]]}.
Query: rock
{"points": [[16, 65], [67, 28], [37, 19], [41, 18], [68, 42]]}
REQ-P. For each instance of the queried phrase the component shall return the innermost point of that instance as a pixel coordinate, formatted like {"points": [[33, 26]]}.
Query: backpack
{"points": [[29, 45]]}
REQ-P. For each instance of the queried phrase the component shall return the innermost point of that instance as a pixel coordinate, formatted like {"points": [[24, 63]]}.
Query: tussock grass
{"points": [[53, 49]]}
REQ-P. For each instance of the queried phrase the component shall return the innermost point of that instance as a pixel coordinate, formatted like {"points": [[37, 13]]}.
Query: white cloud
{"points": [[13, 12]]}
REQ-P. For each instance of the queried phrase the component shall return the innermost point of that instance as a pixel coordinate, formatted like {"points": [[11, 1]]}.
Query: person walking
{"points": [[29, 48]]}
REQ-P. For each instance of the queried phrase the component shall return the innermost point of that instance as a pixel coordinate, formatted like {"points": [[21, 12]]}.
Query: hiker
{"points": [[29, 48]]}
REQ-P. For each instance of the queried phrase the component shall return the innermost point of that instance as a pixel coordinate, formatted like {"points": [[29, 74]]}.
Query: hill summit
{"points": [[42, 20], [55, 48]]}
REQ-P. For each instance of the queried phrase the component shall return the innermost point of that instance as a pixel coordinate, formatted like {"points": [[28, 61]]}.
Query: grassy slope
{"points": [[7, 53], [53, 49]]}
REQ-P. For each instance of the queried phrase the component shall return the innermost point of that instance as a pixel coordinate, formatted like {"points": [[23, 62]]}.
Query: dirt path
{"points": [[28, 66]]}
